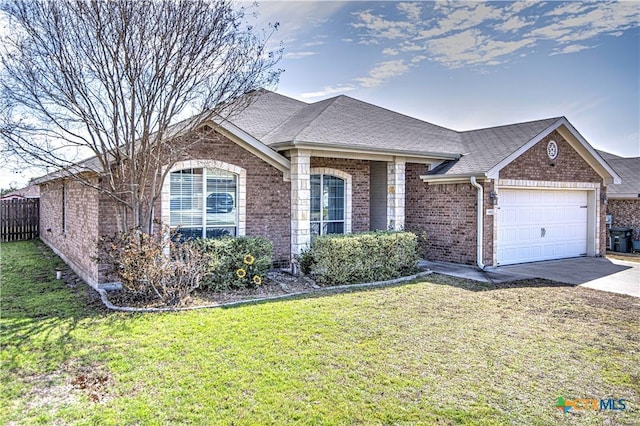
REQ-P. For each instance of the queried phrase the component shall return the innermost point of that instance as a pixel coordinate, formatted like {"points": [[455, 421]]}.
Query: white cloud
{"points": [[462, 16], [296, 20], [512, 24], [573, 48], [519, 6], [478, 34], [298, 55], [570, 8], [382, 72], [412, 10], [313, 43], [380, 28], [471, 47], [327, 91]]}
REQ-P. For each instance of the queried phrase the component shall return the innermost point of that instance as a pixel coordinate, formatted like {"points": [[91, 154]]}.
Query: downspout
{"points": [[479, 233]]}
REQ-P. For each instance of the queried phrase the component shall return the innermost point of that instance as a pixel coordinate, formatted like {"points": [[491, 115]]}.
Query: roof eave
{"points": [[453, 178], [249, 143], [60, 174], [624, 196], [284, 146]]}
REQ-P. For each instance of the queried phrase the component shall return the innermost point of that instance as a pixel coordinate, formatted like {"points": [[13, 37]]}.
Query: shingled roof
{"points": [[267, 111], [343, 122], [483, 149], [274, 122], [629, 171], [346, 122]]}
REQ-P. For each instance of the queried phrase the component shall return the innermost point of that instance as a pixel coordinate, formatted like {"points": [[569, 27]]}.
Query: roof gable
{"points": [[267, 111], [486, 148], [343, 121]]}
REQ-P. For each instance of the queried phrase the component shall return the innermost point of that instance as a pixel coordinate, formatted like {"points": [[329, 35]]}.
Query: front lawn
{"points": [[442, 351]]}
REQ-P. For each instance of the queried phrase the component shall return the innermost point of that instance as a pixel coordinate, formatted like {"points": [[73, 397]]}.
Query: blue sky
{"points": [[467, 65]]}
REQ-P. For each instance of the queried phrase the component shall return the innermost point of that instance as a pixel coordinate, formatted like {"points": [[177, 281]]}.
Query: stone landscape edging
{"points": [[107, 303]]}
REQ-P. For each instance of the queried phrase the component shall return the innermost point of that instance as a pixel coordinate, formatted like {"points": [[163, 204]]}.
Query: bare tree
{"points": [[113, 78]]}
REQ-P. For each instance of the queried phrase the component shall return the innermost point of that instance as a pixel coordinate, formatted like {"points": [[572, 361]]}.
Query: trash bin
{"points": [[621, 239]]}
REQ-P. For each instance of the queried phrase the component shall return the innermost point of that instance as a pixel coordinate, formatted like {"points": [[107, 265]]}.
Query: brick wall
{"points": [[488, 225], [90, 214], [446, 213], [268, 195], [568, 166], [625, 213], [534, 164], [77, 243], [359, 171]]}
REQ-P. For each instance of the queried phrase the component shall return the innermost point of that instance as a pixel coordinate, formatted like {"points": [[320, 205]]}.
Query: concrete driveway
{"points": [[616, 276]]}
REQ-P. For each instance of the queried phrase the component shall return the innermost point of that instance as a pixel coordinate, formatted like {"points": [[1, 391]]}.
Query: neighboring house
{"points": [[517, 193], [624, 200], [31, 191]]}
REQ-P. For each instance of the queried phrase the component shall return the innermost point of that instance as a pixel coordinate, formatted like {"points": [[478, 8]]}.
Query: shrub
{"points": [[305, 261], [236, 262], [355, 258], [153, 267]]}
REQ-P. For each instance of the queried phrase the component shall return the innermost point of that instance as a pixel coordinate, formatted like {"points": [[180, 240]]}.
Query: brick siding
{"points": [[625, 213], [268, 195], [534, 164], [77, 243], [359, 171], [90, 215], [446, 213]]}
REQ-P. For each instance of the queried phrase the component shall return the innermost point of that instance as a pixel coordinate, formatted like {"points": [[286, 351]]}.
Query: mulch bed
{"points": [[277, 283]]}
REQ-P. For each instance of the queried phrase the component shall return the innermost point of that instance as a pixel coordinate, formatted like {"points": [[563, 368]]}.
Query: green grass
{"points": [[443, 351]]}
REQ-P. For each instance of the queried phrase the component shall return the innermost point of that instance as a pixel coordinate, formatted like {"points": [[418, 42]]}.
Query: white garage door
{"points": [[541, 225]]}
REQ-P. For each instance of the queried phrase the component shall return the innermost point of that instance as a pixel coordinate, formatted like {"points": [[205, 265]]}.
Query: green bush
{"points": [[236, 262], [357, 258]]}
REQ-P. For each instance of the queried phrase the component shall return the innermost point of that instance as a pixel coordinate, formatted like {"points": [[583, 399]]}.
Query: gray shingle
{"points": [[267, 111], [607, 155], [485, 148], [344, 121], [629, 171]]}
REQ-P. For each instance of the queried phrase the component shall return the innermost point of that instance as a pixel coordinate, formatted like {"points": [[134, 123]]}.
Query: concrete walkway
{"points": [[616, 276]]}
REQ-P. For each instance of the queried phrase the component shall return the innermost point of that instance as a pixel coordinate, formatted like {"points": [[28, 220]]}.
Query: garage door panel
{"points": [[541, 225]]}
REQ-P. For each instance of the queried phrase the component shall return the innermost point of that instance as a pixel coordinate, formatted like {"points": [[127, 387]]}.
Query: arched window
{"points": [[205, 199], [328, 205]]}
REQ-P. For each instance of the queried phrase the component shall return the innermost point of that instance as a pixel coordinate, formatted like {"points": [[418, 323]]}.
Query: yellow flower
{"points": [[248, 259], [241, 273], [257, 280]]}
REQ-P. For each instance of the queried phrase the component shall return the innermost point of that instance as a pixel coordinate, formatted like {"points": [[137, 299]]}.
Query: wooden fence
{"points": [[19, 219]]}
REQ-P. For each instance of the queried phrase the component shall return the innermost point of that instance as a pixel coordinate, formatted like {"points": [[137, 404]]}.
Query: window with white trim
{"points": [[203, 202], [328, 201]]}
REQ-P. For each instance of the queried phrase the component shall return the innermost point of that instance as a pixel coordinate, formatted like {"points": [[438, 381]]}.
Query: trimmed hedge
{"points": [[358, 258], [236, 262]]}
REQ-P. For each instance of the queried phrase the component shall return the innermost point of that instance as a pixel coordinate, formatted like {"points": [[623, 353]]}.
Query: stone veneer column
{"points": [[395, 194], [300, 200]]}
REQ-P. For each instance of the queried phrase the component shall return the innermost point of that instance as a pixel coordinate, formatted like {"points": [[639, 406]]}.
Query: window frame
{"points": [[241, 192], [346, 178]]}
